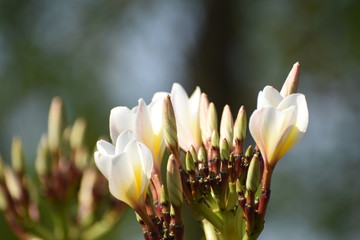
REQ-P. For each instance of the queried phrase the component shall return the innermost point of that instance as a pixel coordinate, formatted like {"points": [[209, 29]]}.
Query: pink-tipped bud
{"points": [[292, 81]]}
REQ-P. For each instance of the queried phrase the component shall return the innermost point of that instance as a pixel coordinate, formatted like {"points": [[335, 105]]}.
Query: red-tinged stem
{"points": [[152, 232], [155, 188], [176, 226], [265, 192]]}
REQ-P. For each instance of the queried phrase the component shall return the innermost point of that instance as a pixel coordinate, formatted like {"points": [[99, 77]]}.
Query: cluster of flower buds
{"points": [[68, 186], [226, 186]]}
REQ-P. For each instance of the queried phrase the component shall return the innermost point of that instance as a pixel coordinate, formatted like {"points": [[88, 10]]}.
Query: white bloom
{"points": [[127, 167], [145, 121], [278, 123], [187, 116]]}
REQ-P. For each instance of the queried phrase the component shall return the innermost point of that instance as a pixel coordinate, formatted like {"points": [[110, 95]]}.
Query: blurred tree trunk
{"points": [[211, 63]]}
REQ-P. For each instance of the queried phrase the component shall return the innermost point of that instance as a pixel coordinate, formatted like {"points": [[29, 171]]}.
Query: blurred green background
{"points": [[100, 54]]}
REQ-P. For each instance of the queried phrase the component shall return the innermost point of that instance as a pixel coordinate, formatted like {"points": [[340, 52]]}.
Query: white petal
{"points": [[147, 164], [159, 95], [203, 109], [122, 183], [103, 163], [180, 103], [143, 127], [299, 101], [267, 126], [155, 111], [121, 118], [105, 148], [269, 97], [124, 138], [132, 150], [194, 105], [194, 101], [290, 137]]}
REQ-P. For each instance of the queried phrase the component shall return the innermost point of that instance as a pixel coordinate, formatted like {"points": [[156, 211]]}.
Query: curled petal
{"points": [[302, 113], [269, 127], [123, 139], [121, 118], [180, 100], [268, 97], [155, 111], [122, 182], [103, 163], [143, 127], [105, 147], [187, 116]]}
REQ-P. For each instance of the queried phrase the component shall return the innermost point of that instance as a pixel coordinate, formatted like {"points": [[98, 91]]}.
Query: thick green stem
{"points": [[207, 213], [60, 223], [38, 230], [232, 225], [99, 228], [209, 230]]}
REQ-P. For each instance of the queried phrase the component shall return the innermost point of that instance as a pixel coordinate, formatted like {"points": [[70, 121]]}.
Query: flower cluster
{"points": [[68, 186], [208, 167]]}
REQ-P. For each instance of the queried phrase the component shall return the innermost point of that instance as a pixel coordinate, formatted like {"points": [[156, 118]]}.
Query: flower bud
{"points": [[292, 81], [224, 150], [193, 154], [81, 158], [12, 183], [85, 195], [249, 151], [43, 162], [17, 155], [226, 125], [212, 120], [65, 144], [174, 182], [169, 127], [56, 123], [238, 186], [215, 139], [240, 125], [2, 168], [189, 163], [253, 176], [77, 134], [164, 198], [3, 200], [202, 155]]}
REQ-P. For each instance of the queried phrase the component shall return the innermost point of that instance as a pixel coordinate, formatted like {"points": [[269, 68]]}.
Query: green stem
{"points": [[207, 213], [38, 230], [232, 197], [99, 228], [209, 230], [232, 225], [61, 229]]}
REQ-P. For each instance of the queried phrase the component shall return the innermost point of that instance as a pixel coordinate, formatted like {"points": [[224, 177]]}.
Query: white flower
{"points": [[187, 116], [127, 167], [278, 123], [145, 121]]}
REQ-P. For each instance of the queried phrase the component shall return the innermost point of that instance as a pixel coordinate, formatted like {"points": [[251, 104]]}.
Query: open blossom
{"points": [[127, 166], [145, 121], [187, 116], [278, 123]]}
